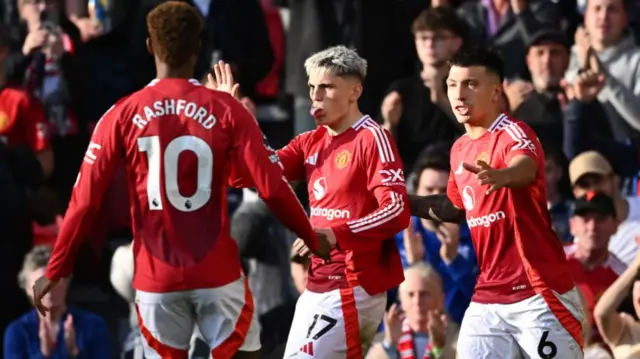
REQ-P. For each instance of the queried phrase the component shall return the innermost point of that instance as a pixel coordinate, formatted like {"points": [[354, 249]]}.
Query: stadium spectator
{"points": [[447, 247], [558, 192], [605, 47], [22, 118], [507, 25], [65, 332], [416, 109], [621, 331], [418, 325], [590, 171], [538, 103], [594, 268]]}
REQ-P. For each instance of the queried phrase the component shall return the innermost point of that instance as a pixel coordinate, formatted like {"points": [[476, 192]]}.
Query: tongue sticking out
{"points": [[316, 112]]}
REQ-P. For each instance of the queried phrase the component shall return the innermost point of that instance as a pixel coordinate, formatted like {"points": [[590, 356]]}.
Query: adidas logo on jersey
{"points": [[307, 348]]}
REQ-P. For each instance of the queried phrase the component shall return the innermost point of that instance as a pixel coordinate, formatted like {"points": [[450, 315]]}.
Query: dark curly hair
{"points": [[174, 29]]}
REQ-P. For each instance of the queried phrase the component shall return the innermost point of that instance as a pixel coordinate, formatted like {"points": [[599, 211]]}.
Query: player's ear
{"points": [[356, 91], [149, 46]]}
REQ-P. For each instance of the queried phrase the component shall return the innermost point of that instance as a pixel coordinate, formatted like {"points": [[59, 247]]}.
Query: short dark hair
{"points": [[479, 56], [174, 29], [434, 157], [438, 18]]}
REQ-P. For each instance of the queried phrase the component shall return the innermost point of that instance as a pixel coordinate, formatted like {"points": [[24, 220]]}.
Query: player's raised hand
{"points": [[437, 328], [41, 287], [393, 324], [223, 80], [487, 175]]}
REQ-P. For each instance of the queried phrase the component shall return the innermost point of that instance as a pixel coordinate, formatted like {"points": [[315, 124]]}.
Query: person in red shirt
{"points": [[593, 267], [179, 141], [358, 198], [22, 117], [525, 301]]}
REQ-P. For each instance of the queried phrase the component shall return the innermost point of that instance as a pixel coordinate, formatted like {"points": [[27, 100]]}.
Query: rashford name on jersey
{"points": [[518, 252], [176, 107]]}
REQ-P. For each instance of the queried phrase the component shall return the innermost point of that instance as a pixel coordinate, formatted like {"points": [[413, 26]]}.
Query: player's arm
{"points": [[385, 180], [250, 154], [291, 160], [610, 322], [521, 155], [437, 207], [99, 164]]}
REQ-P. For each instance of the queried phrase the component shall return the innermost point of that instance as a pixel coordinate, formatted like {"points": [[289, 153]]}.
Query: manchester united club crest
{"points": [[483, 156], [343, 159]]}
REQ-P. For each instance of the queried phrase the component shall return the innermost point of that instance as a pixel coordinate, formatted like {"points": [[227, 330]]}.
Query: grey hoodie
{"points": [[620, 96]]}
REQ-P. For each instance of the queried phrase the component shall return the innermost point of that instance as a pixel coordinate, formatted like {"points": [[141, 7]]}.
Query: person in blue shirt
{"points": [[65, 332], [447, 247]]}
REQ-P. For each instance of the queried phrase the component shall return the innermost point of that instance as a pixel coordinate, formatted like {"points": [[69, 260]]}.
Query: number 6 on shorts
{"points": [[546, 348]]}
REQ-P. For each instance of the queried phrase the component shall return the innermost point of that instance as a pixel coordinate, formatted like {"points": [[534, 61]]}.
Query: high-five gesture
{"points": [[487, 175], [223, 80]]}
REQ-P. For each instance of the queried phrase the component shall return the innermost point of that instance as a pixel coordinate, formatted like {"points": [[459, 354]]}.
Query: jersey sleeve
{"points": [[263, 169], [100, 162], [33, 117], [452, 191], [292, 158], [385, 180], [519, 139]]}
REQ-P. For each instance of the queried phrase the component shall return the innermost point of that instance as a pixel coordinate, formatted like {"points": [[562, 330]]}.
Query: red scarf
{"points": [[406, 347]]}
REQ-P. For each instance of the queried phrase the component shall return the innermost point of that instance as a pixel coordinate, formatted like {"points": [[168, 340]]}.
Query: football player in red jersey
{"points": [[525, 302], [179, 141], [358, 197]]}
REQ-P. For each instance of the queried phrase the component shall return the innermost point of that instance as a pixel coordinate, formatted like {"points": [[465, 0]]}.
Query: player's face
{"points": [[55, 298], [332, 96], [594, 230], [418, 296], [471, 91]]}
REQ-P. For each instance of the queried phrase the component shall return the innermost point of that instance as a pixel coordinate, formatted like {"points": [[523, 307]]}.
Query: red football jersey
{"points": [[592, 282], [22, 120], [518, 252], [356, 188], [178, 140]]}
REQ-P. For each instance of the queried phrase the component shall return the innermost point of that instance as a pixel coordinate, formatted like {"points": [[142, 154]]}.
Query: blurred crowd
{"points": [[573, 74]]}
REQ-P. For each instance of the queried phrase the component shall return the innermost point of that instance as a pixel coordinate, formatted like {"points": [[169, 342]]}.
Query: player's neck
{"points": [[341, 125], [481, 126], [163, 71]]}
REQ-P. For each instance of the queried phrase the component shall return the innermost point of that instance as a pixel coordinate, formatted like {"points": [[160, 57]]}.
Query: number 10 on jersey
{"points": [[168, 160]]}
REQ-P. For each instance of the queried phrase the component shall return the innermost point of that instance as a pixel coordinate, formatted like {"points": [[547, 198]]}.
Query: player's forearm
{"points": [[521, 171], [436, 207], [286, 207], [391, 217], [77, 223], [606, 309]]}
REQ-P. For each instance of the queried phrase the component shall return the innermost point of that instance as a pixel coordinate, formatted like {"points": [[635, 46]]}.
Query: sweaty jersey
{"points": [[178, 140], [357, 189], [518, 252]]}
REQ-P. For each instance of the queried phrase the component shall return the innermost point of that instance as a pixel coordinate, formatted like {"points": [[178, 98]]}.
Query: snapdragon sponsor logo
{"points": [[485, 221], [330, 213]]}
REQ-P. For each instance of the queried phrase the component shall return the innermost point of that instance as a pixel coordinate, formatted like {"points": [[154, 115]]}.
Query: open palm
{"points": [[223, 80]]}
